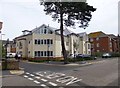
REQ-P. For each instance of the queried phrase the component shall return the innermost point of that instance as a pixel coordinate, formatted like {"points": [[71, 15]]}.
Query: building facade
{"points": [[45, 41], [102, 43]]}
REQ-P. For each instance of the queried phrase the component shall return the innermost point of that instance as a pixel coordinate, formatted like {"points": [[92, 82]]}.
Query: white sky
{"points": [[18, 15]]}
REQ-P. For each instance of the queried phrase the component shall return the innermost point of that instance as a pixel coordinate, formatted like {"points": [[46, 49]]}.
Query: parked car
{"points": [[106, 55], [72, 56], [83, 56], [11, 55], [86, 56]]}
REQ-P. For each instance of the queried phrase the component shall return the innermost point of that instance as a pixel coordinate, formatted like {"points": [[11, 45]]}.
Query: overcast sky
{"points": [[18, 15]]}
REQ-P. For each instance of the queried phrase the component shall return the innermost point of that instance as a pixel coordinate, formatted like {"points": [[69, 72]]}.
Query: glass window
{"points": [[38, 41], [88, 46], [35, 41], [51, 41], [45, 41], [97, 44], [48, 41], [51, 53], [42, 41], [41, 53], [110, 44], [35, 53], [38, 53], [45, 31], [97, 38], [45, 53]]}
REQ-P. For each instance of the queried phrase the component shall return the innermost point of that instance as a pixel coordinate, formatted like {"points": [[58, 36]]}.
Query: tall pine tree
{"points": [[68, 14]]}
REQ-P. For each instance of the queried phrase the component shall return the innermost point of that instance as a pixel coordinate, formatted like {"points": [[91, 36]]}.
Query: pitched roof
{"points": [[65, 32], [111, 36], [97, 34]]}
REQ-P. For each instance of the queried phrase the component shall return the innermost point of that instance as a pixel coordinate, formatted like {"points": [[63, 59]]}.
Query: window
{"points": [[110, 44], [20, 45], [38, 41], [41, 53], [88, 46], [38, 53], [51, 53], [97, 44], [45, 53], [29, 42], [29, 52], [45, 41], [42, 41], [45, 31], [35, 41], [51, 41], [97, 38], [48, 41]]}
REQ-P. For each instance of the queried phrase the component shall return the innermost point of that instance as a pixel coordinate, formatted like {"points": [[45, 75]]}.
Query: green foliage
{"points": [[38, 61], [73, 12], [79, 59], [115, 54]]}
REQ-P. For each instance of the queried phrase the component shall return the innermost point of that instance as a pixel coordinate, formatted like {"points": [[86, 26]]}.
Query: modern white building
{"points": [[45, 41]]}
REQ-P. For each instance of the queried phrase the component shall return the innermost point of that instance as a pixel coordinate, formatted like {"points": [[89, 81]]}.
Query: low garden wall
{"points": [[11, 65]]}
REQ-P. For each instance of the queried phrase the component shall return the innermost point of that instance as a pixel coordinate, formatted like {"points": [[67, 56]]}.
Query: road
{"points": [[101, 73]]}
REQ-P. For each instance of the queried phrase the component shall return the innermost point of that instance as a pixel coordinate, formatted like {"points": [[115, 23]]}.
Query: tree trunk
{"points": [[62, 39]]}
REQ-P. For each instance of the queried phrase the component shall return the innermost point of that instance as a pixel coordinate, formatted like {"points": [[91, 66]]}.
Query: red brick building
{"points": [[101, 42]]}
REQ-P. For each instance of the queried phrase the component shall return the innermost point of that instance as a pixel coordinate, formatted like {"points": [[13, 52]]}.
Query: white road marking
{"points": [[32, 75], [44, 80], [27, 73], [30, 78], [36, 82], [25, 76], [37, 77], [43, 85], [53, 84]]}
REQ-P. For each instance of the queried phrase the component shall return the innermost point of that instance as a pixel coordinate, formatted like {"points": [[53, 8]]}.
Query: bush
{"points": [[79, 59], [37, 61], [115, 54]]}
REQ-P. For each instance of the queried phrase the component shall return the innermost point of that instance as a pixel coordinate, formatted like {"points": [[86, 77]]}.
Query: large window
{"points": [[43, 41], [43, 53]]}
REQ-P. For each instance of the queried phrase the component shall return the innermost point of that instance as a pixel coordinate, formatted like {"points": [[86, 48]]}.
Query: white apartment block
{"points": [[45, 40]]}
